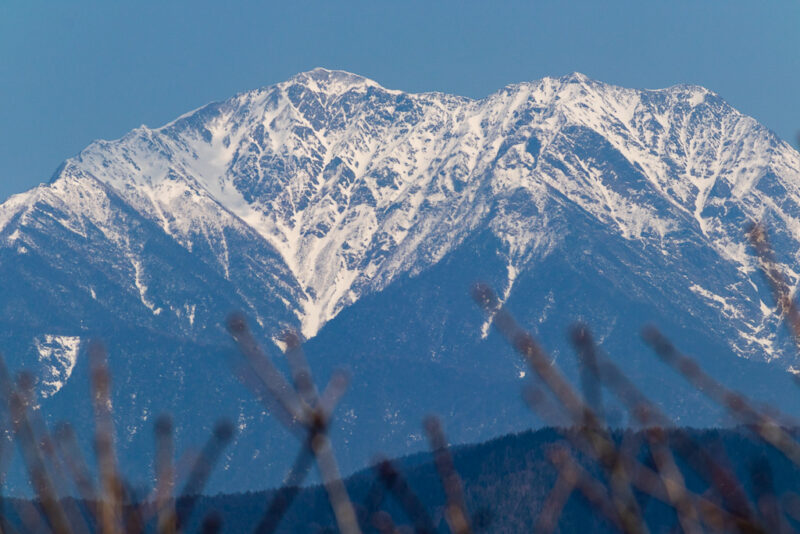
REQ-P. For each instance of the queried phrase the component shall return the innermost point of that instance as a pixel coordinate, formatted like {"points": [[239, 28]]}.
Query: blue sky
{"points": [[75, 71]]}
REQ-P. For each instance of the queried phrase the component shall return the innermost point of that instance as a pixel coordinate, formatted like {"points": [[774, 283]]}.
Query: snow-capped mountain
{"points": [[360, 215]]}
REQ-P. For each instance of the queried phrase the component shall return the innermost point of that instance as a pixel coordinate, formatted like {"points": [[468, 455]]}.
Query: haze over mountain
{"points": [[360, 216]]}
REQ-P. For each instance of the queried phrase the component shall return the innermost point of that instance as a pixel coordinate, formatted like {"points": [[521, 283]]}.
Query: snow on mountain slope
{"points": [[58, 354], [353, 184], [361, 215]]}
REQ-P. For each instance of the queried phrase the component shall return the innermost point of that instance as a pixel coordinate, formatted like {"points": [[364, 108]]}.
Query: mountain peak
{"points": [[333, 82], [576, 77]]}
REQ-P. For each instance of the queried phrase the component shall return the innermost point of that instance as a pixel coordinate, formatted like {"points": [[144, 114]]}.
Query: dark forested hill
{"points": [[507, 481]]}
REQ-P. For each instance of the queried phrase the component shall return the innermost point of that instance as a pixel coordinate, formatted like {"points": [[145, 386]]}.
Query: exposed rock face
{"points": [[359, 215]]}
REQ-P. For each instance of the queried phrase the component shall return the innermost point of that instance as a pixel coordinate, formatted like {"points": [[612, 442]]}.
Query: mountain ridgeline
{"points": [[360, 216]]}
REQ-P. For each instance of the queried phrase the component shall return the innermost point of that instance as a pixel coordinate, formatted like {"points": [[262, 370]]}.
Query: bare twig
{"points": [[284, 496], [671, 476], [456, 508], [548, 517], [603, 448], [398, 486], [735, 403], [220, 437], [777, 280], [592, 489], [300, 406], [37, 470], [111, 486], [165, 477]]}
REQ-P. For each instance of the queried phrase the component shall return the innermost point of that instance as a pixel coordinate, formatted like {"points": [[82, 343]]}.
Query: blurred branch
{"points": [[300, 405]]}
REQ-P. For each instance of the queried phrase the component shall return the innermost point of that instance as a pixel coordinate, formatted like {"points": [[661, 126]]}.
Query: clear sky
{"points": [[78, 70]]}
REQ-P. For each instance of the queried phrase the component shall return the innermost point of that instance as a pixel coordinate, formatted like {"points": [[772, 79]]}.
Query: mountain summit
{"points": [[359, 215]]}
